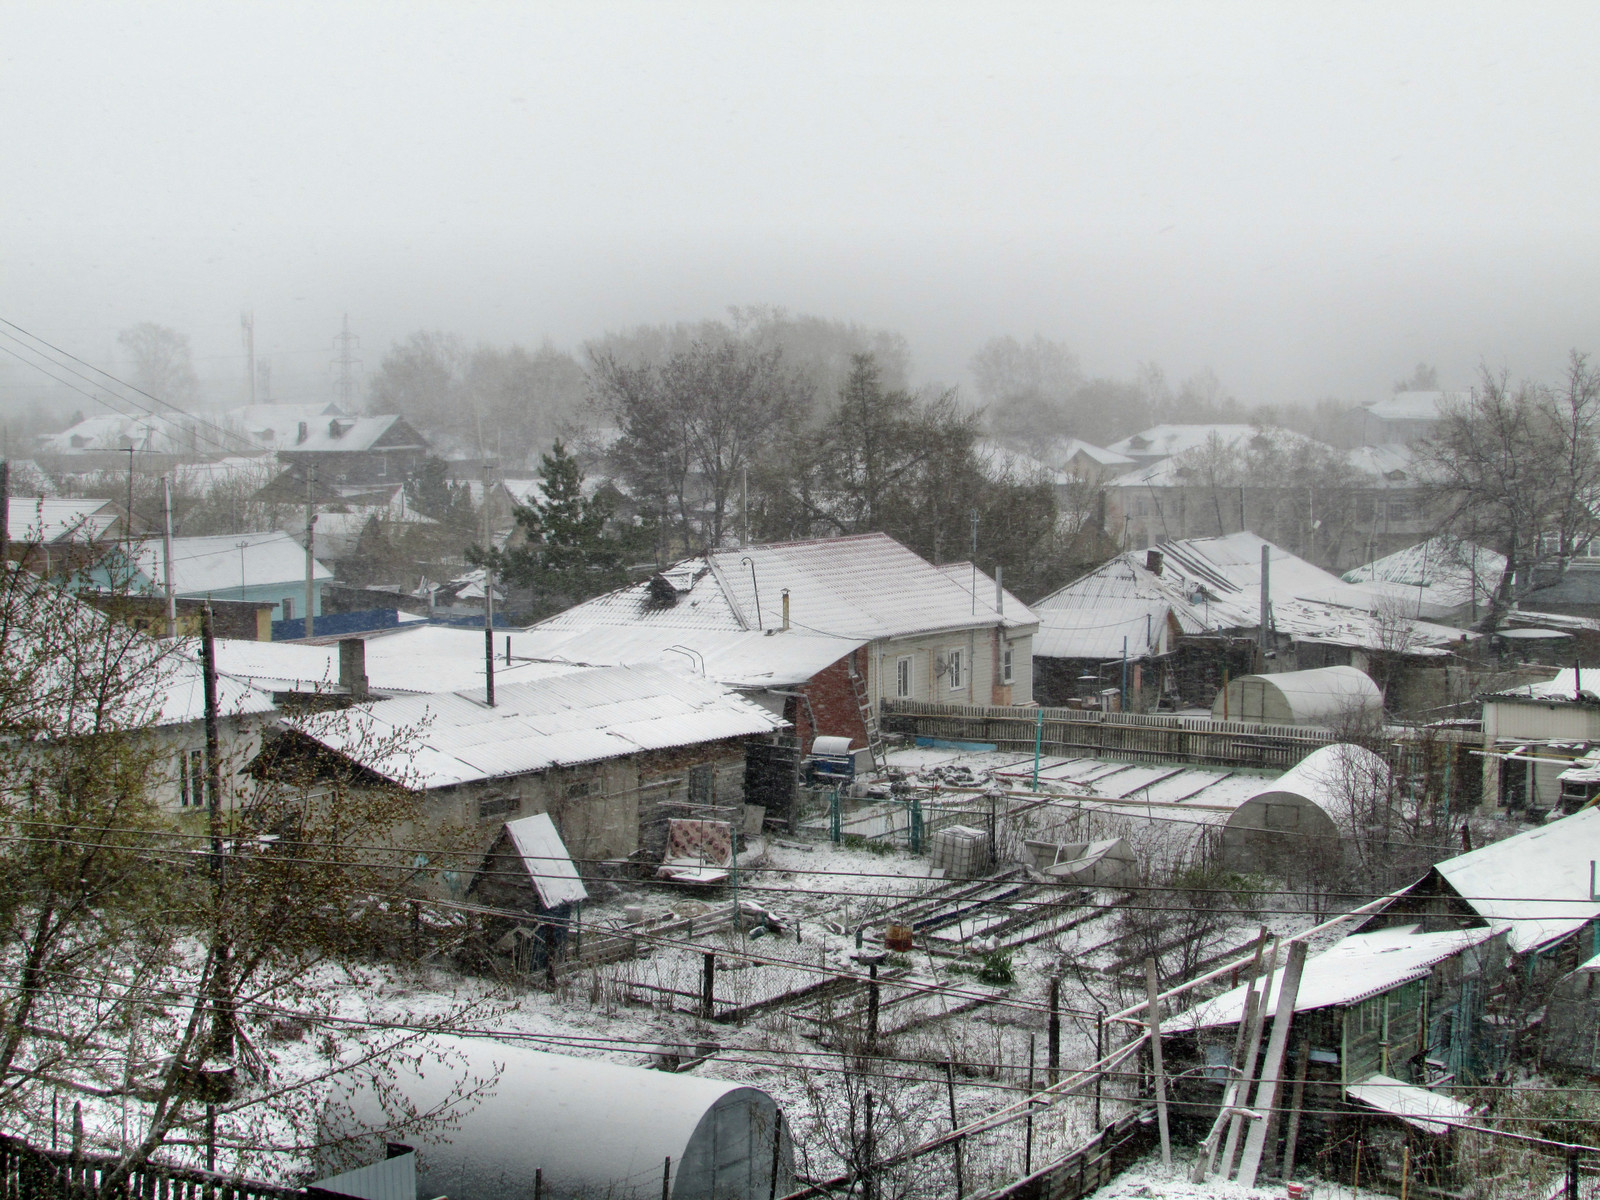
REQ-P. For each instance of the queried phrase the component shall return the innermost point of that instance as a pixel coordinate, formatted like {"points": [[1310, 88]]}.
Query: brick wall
{"points": [[833, 703]]}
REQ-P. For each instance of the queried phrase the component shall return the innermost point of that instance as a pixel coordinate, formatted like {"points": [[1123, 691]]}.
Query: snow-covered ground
{"points": [[1149, 1180]]}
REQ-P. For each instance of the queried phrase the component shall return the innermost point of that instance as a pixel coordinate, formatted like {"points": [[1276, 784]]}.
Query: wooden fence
{"points": [[1130, 736], [29, 1173], [1092, 1165]]}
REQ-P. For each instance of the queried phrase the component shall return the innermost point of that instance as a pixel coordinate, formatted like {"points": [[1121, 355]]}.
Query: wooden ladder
{"points": [[869, 717]]}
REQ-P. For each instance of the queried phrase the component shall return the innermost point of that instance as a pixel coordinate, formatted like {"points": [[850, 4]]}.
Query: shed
{"points": [[528, 870], [1296, 816], [1318, 697], [593, 1128]]}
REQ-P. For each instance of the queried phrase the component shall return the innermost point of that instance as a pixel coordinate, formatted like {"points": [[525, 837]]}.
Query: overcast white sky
{"points": [[1308, 198]]}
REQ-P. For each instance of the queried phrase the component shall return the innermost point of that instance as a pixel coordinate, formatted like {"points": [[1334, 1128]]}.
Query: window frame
{"points": [[952, 672], [1007, 664], [905, 677]]}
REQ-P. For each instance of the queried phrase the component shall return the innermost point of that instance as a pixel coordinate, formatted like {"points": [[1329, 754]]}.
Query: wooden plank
{"points": [[1272, 1067]]}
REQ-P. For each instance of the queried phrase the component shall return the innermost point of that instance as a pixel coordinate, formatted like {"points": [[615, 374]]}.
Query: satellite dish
{"points": [[940, 665]]}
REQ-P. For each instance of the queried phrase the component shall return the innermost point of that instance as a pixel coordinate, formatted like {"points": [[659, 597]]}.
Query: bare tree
{"points": [[162, 364], [1520, 468]]}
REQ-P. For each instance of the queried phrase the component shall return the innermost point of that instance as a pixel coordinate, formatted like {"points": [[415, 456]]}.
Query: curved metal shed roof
{"points": [[594, 1128]]}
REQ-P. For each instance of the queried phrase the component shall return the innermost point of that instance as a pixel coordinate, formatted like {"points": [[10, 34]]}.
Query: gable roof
{"points": [[583, 716], [1533, 886], [863, 587], [1415, 406], [1354, 969], [225, 563], [734, 658], [52, 520], [1214, 584], [1064, 452], [349, 435], [1163, 441], [1433, 578]]}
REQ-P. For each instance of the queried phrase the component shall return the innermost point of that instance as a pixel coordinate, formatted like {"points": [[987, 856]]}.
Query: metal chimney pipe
{"points": [[999, 590], [786, 609], [1266, 597]]}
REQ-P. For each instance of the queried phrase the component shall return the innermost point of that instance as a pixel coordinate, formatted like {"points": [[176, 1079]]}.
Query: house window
{"points": [[953, 670], [494, 806], [288, 608], [580, 789], [183, 779], [903, 678], [1005, 664], [192, 784], [702, 783]]}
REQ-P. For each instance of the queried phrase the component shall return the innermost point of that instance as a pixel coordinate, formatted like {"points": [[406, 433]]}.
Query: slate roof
{"points": [[580, 717], [1433, 578], [1533, 886], [862, 587], [1212, 585], [735, 658]]}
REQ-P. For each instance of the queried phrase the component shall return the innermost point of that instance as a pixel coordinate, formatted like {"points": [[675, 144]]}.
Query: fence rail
{"points": [[1134, 736], [1091, 1166], [30, 1173]]}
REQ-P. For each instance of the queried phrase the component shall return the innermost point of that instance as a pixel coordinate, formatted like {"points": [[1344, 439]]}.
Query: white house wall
{"points": [[980, 658]]}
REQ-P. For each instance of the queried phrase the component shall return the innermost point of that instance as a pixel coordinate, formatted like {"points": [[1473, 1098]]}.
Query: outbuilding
{"points": [[1323, 696], [586, 1127], [1296, 816]]}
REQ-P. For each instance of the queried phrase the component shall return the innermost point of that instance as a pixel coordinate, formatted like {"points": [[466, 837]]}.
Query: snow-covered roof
{"points": [[182, 698], [735, 658], [1000, 462], [1535, 885], [545, 856], [410, 660], [1385, 464], [1415, 406], [1319, 695], [583, 716], [1362, 965], [1571, 685], [865, 586], [1065, 451], [1100, 631], [50, 519], [1163, 441], [1214, 584], [275, 426], [352, 434], [218, 565], [201, 477], [594, 1128], [1432, 1112], [163, 433], [1434, 578]]}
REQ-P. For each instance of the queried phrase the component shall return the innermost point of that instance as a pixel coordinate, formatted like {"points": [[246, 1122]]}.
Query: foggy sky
{"points": [[1306, 198]]}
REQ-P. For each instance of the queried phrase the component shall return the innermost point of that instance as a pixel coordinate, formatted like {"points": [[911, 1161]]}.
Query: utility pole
{"points": [[166, 555], [488, 590], [221, 1014], [247, 323], [1266, 599], [311, 562], [345, 363], [974, 562], [5, 513]]}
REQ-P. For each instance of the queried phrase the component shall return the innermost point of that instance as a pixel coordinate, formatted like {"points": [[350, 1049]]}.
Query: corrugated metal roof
{"points": [[354, 434], [863, 587], [586, 715], [1362, 965], [52, 519], [1167, 440], [1433, 1112], [545, 856]]}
